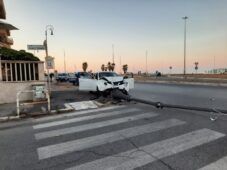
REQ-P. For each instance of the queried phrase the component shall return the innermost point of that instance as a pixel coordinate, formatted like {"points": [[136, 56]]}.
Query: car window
{"points": [[107, 74]]}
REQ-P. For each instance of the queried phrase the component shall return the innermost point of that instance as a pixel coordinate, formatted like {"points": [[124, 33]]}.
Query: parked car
{"points": [[75, 78], [128, 75], [158, 74], [104, 81], [62, 77]]}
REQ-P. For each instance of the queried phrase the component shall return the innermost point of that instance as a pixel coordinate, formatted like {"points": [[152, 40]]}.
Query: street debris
{"points": [[83, 105]]}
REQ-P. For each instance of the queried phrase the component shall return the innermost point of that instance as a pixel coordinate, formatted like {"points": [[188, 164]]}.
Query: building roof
{"points": [[2, 10], [7, 26]]}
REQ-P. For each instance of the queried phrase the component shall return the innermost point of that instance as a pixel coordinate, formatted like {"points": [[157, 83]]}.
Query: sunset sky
{"points": [[86, 29]]}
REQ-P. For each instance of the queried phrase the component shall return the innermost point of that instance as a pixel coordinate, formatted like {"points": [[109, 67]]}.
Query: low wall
{"points": [[8, 91]]}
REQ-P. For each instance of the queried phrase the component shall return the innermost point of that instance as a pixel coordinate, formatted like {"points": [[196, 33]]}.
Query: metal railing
{"points": [[31, 91]]}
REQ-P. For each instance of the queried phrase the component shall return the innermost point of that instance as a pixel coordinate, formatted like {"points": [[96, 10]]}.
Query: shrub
{"points": [[10, 54]]}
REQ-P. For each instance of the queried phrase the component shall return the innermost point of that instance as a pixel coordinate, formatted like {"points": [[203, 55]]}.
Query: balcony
{"points": [[9, 41], [5, 41]]}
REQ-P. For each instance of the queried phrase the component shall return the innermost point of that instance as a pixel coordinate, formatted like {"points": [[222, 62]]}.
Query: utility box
{"points": [[39, 92]]}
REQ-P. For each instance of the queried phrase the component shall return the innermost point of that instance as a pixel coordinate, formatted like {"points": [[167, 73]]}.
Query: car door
{"points": [[86, 84]]}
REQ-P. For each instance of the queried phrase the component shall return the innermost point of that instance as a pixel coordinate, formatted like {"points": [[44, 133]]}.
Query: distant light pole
{"points": [[64, 63], [185, 24], [120, 65], [146, 61], [51, 29], [113, 53]]}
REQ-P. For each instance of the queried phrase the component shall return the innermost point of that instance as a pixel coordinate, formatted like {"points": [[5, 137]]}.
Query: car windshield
{"points": [[62, 74], [107, 74], [84, 75]]}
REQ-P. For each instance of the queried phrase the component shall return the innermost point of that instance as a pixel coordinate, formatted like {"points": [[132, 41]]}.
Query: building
{"points": [[2, 10], [218, 71], [5, 28], [16, 75]]}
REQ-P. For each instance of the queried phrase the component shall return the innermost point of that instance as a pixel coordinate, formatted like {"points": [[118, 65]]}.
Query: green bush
{"points": [[10, 54]]}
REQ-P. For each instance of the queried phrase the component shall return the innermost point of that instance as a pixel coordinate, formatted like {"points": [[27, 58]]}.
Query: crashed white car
{"points": [[106, 81]]}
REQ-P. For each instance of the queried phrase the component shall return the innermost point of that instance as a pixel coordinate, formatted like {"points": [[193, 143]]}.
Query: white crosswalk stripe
{"points": [[64, 131], [80, 144], [77, 113], [78, 119], [127, 160], [147, 154], [220, 164]]}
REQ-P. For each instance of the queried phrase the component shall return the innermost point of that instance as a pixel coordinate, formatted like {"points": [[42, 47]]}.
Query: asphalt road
{"points": [[192, 95], [133, 136]]}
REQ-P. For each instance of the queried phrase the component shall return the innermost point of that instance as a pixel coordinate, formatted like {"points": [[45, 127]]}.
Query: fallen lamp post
{"points": [[117, 94]]}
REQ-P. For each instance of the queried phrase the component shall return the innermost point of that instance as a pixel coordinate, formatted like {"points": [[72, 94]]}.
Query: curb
{"points": [[183, 83], [67, 108], [8, 118]]}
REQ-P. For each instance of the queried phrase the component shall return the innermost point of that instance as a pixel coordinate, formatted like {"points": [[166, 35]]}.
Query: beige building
{"points": [[5, 40], [16, 76]]}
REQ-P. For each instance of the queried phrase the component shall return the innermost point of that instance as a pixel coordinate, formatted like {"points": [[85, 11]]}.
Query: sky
{"points": [[87, 29]]}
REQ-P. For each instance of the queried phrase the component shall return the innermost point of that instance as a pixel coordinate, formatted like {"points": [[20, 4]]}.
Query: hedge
{"points": [[22, 55]]}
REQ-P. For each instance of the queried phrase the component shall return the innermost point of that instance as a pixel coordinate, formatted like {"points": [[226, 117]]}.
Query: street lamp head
{"points": [[50, 28], [185, 17]]}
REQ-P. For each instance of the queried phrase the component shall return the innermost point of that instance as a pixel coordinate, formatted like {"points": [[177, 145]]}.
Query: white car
{"points": [[104, 81]]}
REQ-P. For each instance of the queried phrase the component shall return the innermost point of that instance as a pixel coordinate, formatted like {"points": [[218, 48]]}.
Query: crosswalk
{"points": [[109, 118]]}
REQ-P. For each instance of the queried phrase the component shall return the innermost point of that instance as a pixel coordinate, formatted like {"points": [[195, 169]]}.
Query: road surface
{"points": [[132, 136], [192, 95]]}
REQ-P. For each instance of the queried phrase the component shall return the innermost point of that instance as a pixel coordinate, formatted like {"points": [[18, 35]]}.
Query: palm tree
{"points": [[103, 67], [109, 66], [112, 66], [125, 68], [84, 66]]}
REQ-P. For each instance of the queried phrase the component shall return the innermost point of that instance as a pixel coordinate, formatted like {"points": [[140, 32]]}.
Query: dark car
{"points": [[75, 79], [62, 77], [158, 74]]}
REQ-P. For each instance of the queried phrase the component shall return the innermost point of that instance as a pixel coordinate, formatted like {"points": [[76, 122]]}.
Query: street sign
{"points": [[36, 47], [49, 62]]}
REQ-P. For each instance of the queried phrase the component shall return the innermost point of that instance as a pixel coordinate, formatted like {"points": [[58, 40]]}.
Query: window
{"points": [[14, 72], [3, 72], [27, 70], [9, 78], [36, 72]]}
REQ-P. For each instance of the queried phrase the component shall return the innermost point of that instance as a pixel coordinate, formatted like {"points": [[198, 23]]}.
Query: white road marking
{"points": [[64, 131], [150, 153], [220, 164], [78, 119], [77, 113], [92, 141]]}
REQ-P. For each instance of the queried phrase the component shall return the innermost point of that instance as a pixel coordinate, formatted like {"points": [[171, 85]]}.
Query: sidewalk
{"points": [[188, 81], [8, 109], [61, 94]]}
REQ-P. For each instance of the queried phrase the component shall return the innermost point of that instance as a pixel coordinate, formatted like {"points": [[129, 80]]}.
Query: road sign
{"points": [[49, 62], [36, 47]]}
